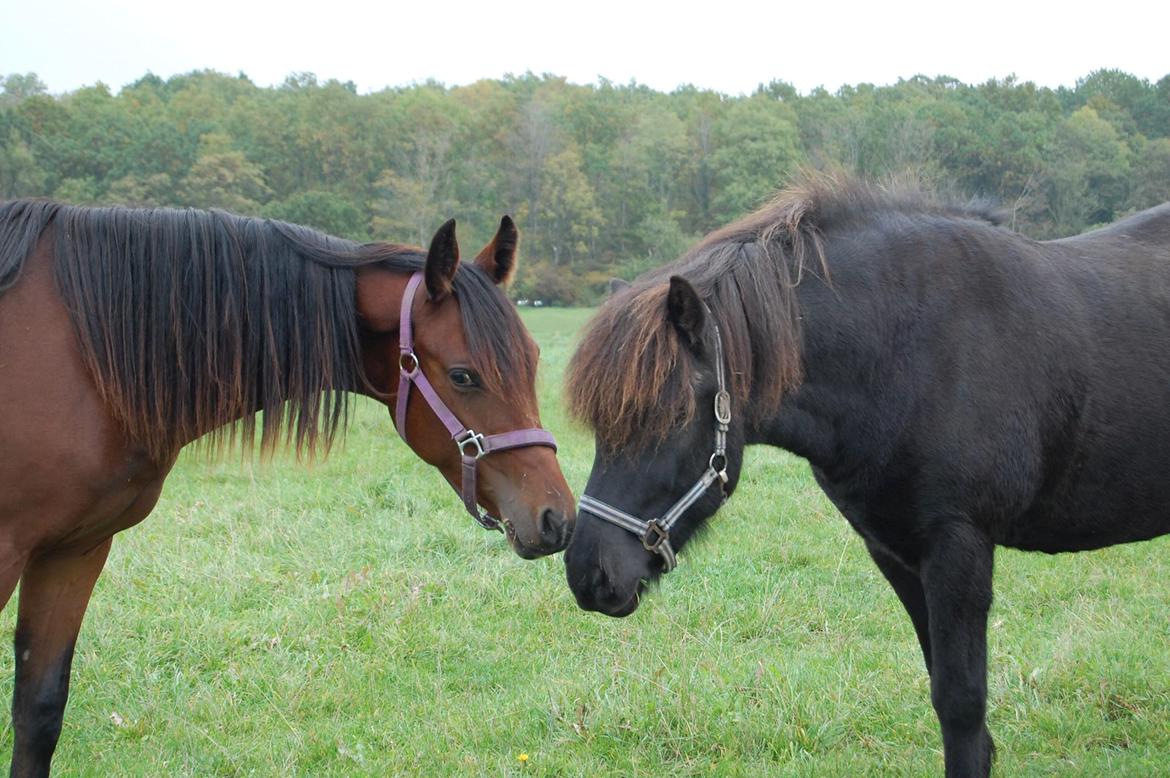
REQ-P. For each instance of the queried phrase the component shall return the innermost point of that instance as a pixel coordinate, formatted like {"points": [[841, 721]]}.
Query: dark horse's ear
{"points": [[498, 258], [442, 262], [685, 310], [617, 285]]}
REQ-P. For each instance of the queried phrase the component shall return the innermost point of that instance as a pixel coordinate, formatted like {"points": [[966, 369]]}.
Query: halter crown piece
{"points": [[655, 533], [472, 445]]}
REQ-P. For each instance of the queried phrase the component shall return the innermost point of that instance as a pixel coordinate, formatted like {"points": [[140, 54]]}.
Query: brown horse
{"points": [[127, 334]]}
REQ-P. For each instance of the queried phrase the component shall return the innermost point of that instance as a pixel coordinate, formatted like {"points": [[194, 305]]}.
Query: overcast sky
{"points": [[727, 45]]}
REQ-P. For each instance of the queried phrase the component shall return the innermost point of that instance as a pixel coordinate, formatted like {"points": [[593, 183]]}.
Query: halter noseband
{"points": [[472, 445], [655, 533]]}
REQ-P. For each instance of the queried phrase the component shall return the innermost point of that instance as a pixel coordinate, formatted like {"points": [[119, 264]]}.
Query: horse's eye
{"points": [[463, 378]]}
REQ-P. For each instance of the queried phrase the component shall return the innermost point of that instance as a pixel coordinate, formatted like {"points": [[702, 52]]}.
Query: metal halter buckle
{"points": [[723, 406], [661, 535], [471, 438]]}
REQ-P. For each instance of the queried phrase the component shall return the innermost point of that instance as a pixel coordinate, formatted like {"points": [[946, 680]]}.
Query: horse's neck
{"points": [[266, 404], [832, 417], [379, 294]]}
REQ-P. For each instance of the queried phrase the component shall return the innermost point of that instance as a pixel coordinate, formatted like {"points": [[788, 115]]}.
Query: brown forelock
{"points": [[630, 378], [190, 321], [632, 381]]}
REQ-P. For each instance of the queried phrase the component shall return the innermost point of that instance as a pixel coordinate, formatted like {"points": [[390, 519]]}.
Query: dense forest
{"points": [[603, 179]]}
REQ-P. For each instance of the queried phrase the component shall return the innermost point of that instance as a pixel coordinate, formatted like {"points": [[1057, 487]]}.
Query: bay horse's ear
{"points": [[685, 310], [442, 262], [617, 285], [498, 258]]}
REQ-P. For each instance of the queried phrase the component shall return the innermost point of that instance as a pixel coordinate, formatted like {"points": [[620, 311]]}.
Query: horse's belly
{"points": [[1094, 513]]}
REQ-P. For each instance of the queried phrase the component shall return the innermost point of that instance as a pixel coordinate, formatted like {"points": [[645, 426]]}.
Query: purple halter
{"points": [[472, 445]]}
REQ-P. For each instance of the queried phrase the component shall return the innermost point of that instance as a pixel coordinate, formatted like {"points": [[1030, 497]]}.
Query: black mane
{"points": [[191, 321]]}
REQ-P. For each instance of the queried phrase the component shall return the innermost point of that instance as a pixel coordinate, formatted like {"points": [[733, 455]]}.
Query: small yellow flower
{"points": [[523, 758]]}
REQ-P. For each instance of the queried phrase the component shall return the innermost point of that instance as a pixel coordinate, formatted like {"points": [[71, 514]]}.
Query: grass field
{"points": [[350, 619]]}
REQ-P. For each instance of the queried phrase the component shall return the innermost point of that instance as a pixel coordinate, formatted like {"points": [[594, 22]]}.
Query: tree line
{"points": [[604, 179]]}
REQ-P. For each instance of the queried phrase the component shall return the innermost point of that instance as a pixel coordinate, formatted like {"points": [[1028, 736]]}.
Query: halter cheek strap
{"points": [[655, 533], [472, 445]]}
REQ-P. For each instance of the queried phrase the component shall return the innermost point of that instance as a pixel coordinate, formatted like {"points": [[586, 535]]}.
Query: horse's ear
{"points": [[685, 310], [498, 258], [442, 262], [617, 285]]}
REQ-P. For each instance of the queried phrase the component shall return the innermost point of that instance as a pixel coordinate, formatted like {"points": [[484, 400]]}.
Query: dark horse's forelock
{"points": [[632, 380], [191, 321]]}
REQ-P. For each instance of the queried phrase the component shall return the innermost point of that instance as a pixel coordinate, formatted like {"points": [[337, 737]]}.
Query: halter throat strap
{"points": [[472, 445], [655, 533]]}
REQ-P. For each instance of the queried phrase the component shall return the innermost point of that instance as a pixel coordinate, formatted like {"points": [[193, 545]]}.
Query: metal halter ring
{"points": [[402, 362], [720, 469]]}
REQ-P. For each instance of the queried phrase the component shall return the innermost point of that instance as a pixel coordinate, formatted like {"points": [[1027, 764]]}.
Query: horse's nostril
{"points": [[552, 527]]}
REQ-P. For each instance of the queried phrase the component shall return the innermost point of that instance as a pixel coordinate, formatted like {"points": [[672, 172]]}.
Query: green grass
{"points": [[350, 619]]}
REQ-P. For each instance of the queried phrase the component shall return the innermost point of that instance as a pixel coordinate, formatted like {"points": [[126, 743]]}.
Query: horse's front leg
{"points": [[54, 592], [956, 579], [908, 586]]}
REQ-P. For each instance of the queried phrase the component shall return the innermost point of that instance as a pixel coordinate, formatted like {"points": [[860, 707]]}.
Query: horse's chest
{"points": [[892, 534], [124, 499], [120, 497]]}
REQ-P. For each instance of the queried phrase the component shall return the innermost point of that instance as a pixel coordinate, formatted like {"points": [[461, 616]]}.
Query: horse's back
{"points": [[1030, 381], [1150, 227], [1114, 485], [1059, 415]]}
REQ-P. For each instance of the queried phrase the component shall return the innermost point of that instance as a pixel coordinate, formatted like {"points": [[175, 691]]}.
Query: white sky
{"points": [[727, 45]]}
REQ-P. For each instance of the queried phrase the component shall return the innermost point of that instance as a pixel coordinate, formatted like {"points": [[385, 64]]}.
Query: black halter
{"points": [[655, 533]]}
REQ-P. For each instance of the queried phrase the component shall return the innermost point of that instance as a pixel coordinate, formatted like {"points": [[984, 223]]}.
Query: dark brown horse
{"points": [[127, 334], [953, 385]]}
